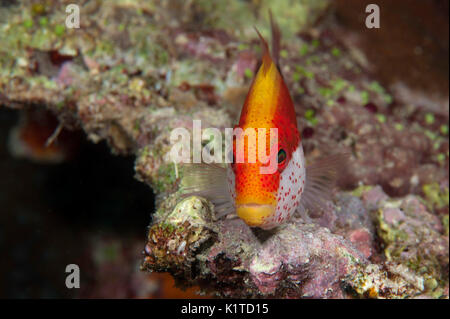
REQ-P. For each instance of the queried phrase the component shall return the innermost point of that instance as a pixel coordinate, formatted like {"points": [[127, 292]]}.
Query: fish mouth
{"points": [[254, 214]]}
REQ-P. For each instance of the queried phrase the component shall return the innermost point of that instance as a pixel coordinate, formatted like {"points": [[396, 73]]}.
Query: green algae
{"points": [[325, 92], [43, 21], [309, 114], [429, 118], [165, 177], [431, 135], [445, 223], [409, 241], [312, 60], [59, 30], [28, 24], [315, 43], [377, 88], [364, 97], [390, 235], [441, 158], [435, 196], [381, 118], [284, 54], [304, 49], [248, 73], [361, 190], [302, 72], [338, 85], [336, 52]]}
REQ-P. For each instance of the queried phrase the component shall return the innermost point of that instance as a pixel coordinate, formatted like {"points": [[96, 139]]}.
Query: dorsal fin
{"points": [[266, 58], [276, 40]]}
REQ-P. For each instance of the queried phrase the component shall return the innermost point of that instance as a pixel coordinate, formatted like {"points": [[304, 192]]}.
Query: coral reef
{"points": [[227, 254], [136, 70], [299, 259]]}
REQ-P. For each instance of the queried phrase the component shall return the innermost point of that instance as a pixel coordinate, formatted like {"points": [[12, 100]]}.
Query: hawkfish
{"points": [[260, 199]]}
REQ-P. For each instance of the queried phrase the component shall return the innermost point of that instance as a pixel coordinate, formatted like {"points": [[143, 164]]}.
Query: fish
{"points": [[261, 200], [40, 137]]}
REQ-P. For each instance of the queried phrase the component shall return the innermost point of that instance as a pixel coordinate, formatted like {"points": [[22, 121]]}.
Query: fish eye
{"points": [[281, 156]]}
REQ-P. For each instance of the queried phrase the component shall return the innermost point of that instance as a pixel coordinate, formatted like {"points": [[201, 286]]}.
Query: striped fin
{"points": [[321, 178], [208, 181]]}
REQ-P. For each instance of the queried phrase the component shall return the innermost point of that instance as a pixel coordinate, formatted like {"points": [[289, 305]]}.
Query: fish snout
{"points": [[254, 214]]}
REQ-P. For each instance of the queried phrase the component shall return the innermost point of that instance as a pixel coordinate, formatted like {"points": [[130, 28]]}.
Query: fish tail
{"points": [[321, 178]]}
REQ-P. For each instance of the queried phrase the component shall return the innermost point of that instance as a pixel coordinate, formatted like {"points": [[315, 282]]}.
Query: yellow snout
{"points": [[254, 215]]}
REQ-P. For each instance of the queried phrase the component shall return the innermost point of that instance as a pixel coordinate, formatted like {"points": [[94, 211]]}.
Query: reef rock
{"points": [[307, 260]]}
